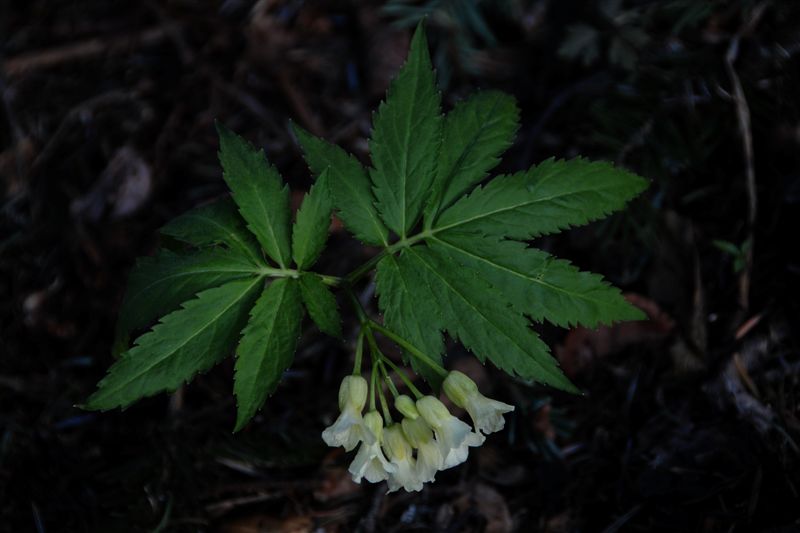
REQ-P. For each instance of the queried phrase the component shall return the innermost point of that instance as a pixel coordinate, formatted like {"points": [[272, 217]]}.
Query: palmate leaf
{"points": [[405, 140], [349, 186], [477, 315], [476, 132], [407, 308], [215, 223], [267, 346], [310, 230], [158, 285], [185, 342], [258, 190], [536, 283], [321, 304], [548, 198]]}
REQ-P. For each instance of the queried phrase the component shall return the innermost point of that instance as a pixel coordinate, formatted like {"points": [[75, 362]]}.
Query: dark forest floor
{"points": [[689, 422]]}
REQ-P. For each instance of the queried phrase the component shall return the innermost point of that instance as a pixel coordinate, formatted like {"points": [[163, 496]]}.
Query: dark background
{"points": [[689, 421]]}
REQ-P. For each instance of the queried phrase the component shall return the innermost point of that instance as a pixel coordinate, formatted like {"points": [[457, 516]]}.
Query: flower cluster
{"points": [[428, 438]]}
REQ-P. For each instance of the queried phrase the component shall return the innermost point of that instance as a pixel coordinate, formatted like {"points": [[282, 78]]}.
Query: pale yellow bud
{"points": [[406, 406], [353, 393], [433, 411], [458, 387], [417, 432], [394, 440], [374, 422]]}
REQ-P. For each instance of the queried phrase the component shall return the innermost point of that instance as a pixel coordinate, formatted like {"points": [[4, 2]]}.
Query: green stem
{"points": [[388, 379], [333, 281], [279, 272], [387, 415], [359, 272], [373, 384], [359, 353], [409, 347], [360, 312], [408, 383], [378, 358]]}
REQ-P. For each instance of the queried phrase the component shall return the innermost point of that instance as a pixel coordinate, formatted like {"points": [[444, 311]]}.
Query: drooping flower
{"points": [[406, 406], [370, 462], [349, 428], [429, 456], [453, 436], [400, 453], [486, 413]]}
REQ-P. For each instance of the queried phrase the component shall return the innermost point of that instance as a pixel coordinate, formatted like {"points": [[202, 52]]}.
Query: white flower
{"points": [[429, 457], [370, 462], [399, 451], [349, 428], [453, 436], [486, 414]]}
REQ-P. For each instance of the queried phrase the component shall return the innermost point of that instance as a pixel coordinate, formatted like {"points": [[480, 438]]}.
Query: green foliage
{"points": [[405, 141], [472, 311], [349, 186], [257, 190], [311, 228], [216, 223], [159, 284], [537, 284], [321, 304], [267, 346], [476, 132], [548, 198], [401, 290], [467, 270], [185, 342]]}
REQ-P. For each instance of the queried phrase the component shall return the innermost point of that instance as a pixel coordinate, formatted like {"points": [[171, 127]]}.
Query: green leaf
{"points": [[158, 285], [321, 304], [267, 346], [185, 342], [408, 310], [549, 197], [405, 140], [476, 132], [538, 284], [215, 223], [258, 191], [349, 186], [477, 315], [313, 221]]}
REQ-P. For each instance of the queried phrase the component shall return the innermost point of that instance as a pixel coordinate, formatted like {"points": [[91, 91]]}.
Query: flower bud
{"points": [[370, 462], [429, 456], [394, 440], [406, 406], [417, 432], [486, 413], [374, 422], [458, 387], [433, 411], [353, 393], [453, 436]]}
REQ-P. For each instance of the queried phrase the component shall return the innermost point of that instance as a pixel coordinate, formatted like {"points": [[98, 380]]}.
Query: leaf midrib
{"points": [[191, 273], [155, 362], [273, 321], [460, 160], [519, 274], [235, 236], [509, 208], [447, 283], [269, 222]]}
